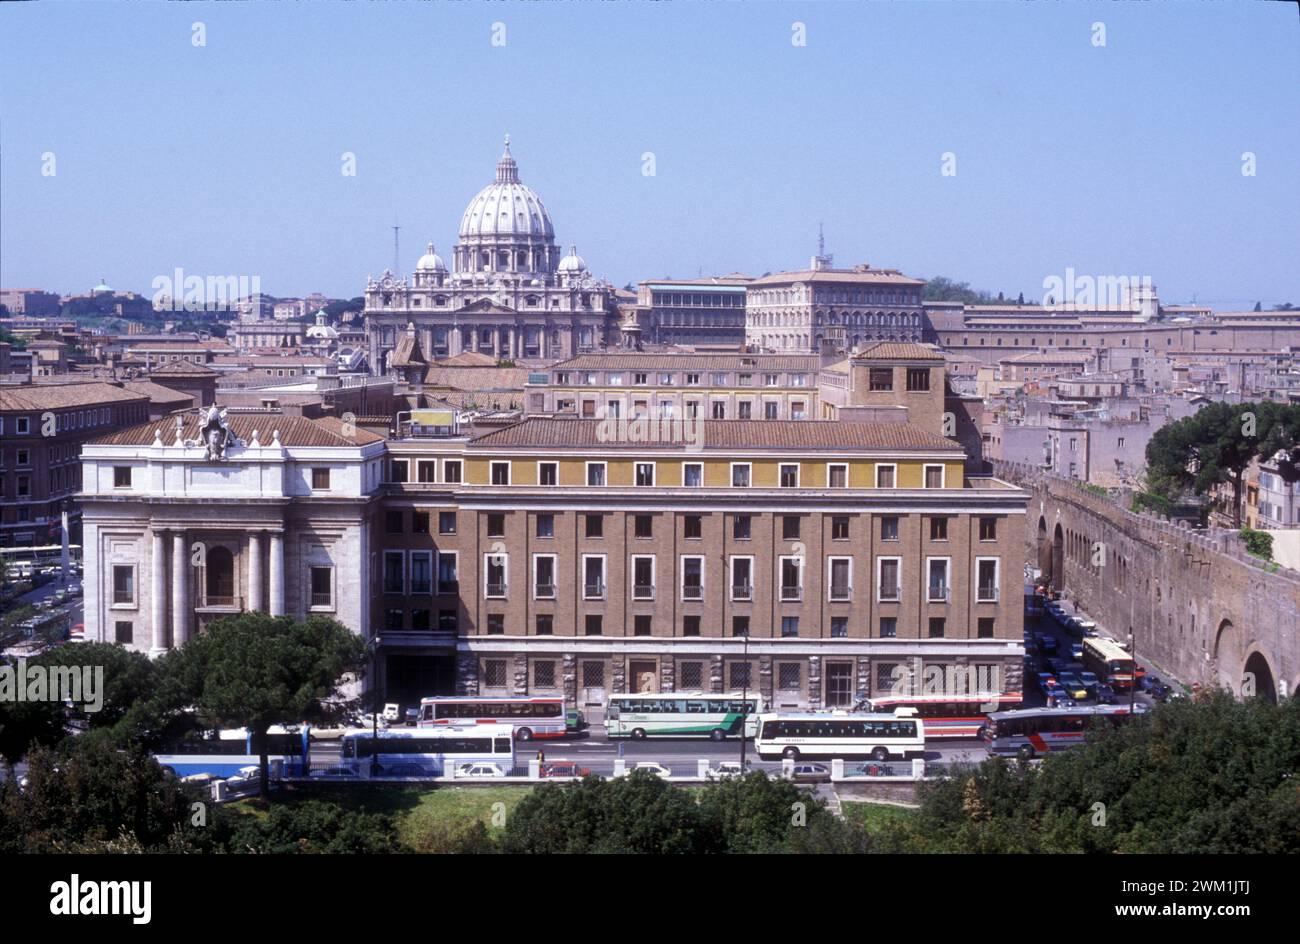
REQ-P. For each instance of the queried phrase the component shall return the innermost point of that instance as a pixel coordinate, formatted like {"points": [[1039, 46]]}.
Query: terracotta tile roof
{"points": [[58, 396], [294, 430], [899, 351], [467, 359], [677, 360], [548, 432], [157, 393], [1049, 357], [477, 378], [408, 353]]}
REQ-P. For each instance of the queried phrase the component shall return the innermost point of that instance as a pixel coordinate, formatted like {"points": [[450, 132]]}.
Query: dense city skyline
{"points": [[1044, 126]]}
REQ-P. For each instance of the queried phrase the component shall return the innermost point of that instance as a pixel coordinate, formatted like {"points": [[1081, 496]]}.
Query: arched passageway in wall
{"points": [[1257, 675], [1058, 559]]}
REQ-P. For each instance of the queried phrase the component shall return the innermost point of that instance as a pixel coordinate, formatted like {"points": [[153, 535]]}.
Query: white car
{"points": [[725, 769], [651, 767], [248, 778], [479, 770]]}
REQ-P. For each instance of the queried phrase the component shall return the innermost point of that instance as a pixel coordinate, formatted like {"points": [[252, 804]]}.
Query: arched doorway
{"points": [[1258, 676], [1044, 549], [1227, 656]]}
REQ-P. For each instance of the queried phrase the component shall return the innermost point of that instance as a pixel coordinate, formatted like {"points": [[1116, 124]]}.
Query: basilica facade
{"points": [[510, 292]]}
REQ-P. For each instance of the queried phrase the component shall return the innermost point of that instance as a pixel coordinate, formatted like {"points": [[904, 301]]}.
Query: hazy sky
{"points": [[225, 159]]}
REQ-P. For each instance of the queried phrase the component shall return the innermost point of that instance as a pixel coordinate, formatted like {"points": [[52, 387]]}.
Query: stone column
{"points": [[180, 590], [254, 571], [277, 573], [158, 602]]}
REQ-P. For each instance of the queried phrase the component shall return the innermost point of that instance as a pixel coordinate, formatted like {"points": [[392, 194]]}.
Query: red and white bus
{"points": [[949, 716], [1033, 732], [541, 716]]}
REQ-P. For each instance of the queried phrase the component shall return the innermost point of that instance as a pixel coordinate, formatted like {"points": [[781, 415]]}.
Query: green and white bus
{"points": [[682, 715]]}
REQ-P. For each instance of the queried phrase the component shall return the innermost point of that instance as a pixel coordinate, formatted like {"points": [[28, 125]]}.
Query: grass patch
{"points": [[874, 817], [456, 807]]}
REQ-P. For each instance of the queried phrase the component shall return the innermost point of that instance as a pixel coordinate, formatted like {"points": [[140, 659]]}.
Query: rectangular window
{"points": [[738, 672], [837, 475], [918, 378], [645, 474], [448, 579], [544, 672], [885, 475], [594, 624], [934, 476], [545, 624], [421, 571], [322, 587], [839, 627], [446, 522], [938, 529], [841, 569], [986, 579], [593, 576], [692, 526], [936, 627], [740, 475], [881, 378], [641, 625], [420, 522], [548, 473], [791, 578], [888, 573], [494, 575], [839, 527], [790, 527], [393, 522], [122, 476], [741, 527], [740, 626], [544, 576], [320, 479], [719, 410], [888, 627], [394, 572], [500, 472], [595, 474], [744, 410], [447, 622], [123, 585], [643, 578], [789, 475], [643, 526], [496, 524], [496, 624], [692, 578], [937, 589], [889, 528], [692, 474], [426, 470], [789, 626], [985, 628], [451, 470], [123, 632], [397, 470], [595, 525], [691, 674], [770, 408], [742, 578], [494, 673], [988, 529]]}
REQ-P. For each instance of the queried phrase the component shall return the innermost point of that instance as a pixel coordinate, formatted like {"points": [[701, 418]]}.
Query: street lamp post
{"points": [[744, 702], [1133, 685], [374, 706]]}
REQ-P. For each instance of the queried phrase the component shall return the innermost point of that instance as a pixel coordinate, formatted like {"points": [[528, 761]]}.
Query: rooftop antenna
{"points": [[397, 256], [821, 260]]}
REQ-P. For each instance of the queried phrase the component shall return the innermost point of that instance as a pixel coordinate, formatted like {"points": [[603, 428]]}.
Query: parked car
{"points": [[563, 768], [1046, 682], [479, 770], [392, 713], [333, 773], [725, 769], [413, 716], [1058, 698], [1047, 644], [246, 780], [1104, 694], [1073, 686], [653, 768], [1076, 651], [811, 773]]}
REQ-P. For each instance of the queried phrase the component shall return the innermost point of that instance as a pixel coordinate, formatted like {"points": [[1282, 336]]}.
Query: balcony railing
{"points": [[841, 592], [792, 593], [218, 601], [938, 593], [888, 593], [393, 586], [496, 589], [693, 592], [449, 586], [594, 591], [643, 591], [987, 594], [545, 591], [322, 599], [421, 586], [742, 591]]}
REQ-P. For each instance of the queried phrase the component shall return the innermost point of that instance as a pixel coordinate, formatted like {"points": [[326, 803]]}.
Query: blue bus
{"points": [[225, 753]]}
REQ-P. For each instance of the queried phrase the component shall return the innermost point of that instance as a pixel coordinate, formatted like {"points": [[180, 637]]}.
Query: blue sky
{"points": [[226, 159]]}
